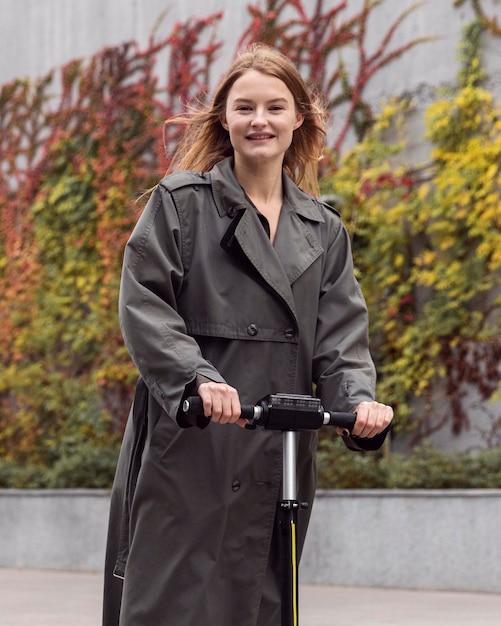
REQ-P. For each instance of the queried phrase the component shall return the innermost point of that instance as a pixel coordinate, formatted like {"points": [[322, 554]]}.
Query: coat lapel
{"points": [[255, 244], [295, 234], [296, 246]]}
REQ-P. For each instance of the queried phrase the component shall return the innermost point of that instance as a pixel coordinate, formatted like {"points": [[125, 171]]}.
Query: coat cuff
{"points": [[187, 421], [366, 444]]}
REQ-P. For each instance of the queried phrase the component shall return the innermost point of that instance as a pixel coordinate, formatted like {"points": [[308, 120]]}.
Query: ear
{"points": [[224, 124], [299, 121]]}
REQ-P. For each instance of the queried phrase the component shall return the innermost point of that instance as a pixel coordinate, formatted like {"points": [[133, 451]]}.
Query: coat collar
{"points": [[228, 194], [275, 264]]}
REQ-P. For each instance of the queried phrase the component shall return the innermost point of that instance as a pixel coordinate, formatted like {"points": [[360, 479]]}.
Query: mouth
{"points": [[260, 136]]}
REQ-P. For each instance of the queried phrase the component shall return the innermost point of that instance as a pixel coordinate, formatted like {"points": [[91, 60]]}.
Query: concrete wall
{"points": [[38, 35], [60, 529], [407, 539]]}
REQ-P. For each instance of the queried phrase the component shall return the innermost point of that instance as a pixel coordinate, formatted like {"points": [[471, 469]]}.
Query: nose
{"points": [[259, 118]]}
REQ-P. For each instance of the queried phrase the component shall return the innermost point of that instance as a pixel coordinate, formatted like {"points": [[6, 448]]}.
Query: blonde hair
{"points": [[205, 142]]}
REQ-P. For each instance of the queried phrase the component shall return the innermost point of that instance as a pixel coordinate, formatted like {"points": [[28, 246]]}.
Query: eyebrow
{"points": [[247, 100]]}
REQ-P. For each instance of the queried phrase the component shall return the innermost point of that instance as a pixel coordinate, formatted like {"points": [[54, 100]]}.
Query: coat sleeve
{"points": [[168, 359], [343, 368]]}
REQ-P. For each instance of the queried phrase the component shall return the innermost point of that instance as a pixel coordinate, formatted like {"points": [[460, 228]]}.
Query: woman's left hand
{"points": [[372, 418]]}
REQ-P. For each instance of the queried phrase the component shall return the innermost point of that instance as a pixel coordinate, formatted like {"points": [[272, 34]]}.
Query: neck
{"points": [[262, 184]]}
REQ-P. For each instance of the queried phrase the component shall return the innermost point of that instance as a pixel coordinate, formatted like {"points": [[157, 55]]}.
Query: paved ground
{"points": [[55, 598]]}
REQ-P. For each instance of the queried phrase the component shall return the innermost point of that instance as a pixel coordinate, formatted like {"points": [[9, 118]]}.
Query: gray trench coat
{"points": [[205, 293]]}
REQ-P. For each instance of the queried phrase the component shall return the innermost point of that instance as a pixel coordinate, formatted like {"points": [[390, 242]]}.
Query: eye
{"points": [[244, 107]]}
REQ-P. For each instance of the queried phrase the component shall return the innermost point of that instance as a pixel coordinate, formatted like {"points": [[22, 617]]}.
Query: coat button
{"points": [[289, 333], [252, 330], [235, 485]]}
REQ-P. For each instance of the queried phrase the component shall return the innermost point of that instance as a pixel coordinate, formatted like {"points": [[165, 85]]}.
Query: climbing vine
{"points": [[71, 171], [73, 166], [316, 43], [427, 243], [490, 23]]}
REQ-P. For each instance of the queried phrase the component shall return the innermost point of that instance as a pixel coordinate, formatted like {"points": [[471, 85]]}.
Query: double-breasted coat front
{"points": [[204, 293]]}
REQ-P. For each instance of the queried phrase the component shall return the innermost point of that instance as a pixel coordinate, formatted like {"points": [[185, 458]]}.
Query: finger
{"points": [[226, 405], [227, 416], [206, 398], [230, 406], [236, 411], [362, 412]]}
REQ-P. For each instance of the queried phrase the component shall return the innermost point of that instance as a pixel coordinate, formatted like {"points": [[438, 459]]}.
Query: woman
{"points": [[236, 284]]}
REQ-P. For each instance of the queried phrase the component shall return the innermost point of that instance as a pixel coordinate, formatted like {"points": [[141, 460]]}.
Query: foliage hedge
{"points": [[76, 465], [426, 467], [427, 249]]}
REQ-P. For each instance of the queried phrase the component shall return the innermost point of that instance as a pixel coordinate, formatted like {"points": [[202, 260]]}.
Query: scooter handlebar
{"points": [[297, 413]]}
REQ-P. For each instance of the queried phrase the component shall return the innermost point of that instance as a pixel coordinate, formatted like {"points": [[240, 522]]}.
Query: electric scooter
{"points": [[288, 413]]}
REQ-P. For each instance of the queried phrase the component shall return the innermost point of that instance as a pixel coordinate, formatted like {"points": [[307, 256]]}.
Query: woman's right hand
{"points": [[221, 403]]}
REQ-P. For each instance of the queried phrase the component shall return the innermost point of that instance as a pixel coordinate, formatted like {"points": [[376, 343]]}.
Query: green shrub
{"points": [[89, 466], [340, 468], [15, 476], [85, 466], [425, 467]]}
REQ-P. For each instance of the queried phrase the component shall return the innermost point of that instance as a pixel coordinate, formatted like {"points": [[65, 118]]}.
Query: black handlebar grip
{"points": [[340, 420], [194, 406]]}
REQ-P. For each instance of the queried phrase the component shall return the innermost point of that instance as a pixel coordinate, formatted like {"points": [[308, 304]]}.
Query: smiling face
{"points": [[261, 118]]}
